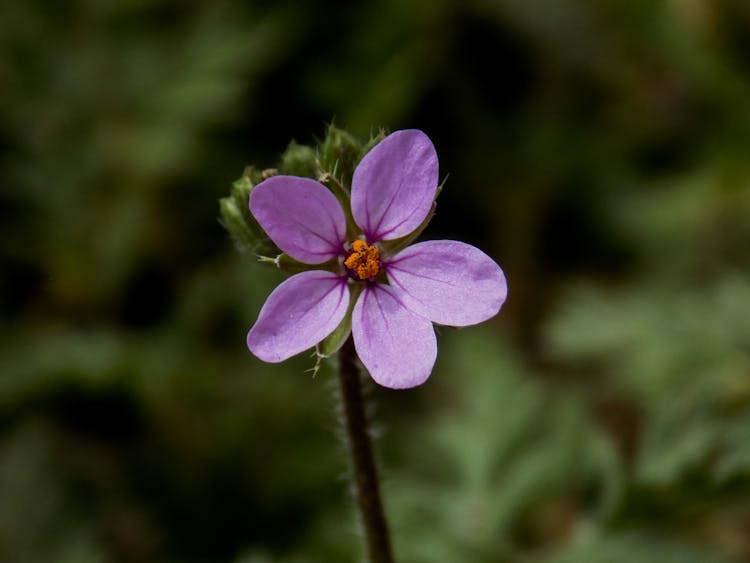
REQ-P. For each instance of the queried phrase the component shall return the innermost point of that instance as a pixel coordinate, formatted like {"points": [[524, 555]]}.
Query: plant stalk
{"points": [[362, 461]]}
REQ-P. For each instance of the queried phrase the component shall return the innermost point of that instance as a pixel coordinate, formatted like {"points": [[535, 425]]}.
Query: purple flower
{"points": [[398, 296]]}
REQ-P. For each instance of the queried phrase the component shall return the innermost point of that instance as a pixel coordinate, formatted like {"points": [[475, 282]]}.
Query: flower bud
{"points": [[339, 154], [299, 160], [236, 217]]}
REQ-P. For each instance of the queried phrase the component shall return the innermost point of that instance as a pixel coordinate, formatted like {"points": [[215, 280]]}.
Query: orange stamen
{"points": [[363, 260]]}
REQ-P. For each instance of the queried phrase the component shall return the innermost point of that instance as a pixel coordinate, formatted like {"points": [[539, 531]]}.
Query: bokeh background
{"points": [[600, 151]]}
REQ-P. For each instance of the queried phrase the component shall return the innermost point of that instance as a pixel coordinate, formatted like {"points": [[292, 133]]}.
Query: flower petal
{"points": [[394, 185], [298, 314], [301, 216], [449, 282], [396, 346]]}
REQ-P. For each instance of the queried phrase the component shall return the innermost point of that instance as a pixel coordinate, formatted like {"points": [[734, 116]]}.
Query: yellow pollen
{"points": [[363, 260]]}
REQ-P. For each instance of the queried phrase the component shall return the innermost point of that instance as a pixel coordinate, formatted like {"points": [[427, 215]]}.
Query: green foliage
{"points": [[492, 473], [675, 343]]}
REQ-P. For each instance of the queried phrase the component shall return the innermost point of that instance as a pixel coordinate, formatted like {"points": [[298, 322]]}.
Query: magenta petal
{"points": [[298, 314], [449, 282], [301, 216], [396, 346], [394, 185]]}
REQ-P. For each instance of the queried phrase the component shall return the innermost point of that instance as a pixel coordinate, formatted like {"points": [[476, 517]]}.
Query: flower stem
{"points": [[362, 460]]}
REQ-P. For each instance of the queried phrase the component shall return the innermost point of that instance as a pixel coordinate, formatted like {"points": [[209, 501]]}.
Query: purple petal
{"points": [[298, 314], [394, 185], [301, 216], [449, 282], [396, 346]]}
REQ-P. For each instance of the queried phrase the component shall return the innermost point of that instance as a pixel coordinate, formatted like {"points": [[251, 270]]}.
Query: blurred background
{"points": [[599, 151]]}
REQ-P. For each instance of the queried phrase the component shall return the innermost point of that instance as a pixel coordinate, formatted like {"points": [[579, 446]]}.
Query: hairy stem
{"points": [[363, 463]]}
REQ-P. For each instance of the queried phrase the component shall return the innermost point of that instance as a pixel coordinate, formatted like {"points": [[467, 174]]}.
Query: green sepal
{"points": [[290, 266], [237, 219], [331, 343], [440, 187], [391, 247]]}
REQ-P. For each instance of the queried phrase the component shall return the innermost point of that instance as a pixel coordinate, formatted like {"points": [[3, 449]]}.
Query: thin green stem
{"points": [[362, 461]]}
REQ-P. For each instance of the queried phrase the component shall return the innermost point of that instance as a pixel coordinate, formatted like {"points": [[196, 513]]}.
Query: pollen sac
{"points": [[363, 261]]}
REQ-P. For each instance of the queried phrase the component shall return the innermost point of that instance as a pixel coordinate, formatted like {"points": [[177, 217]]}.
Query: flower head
{"points": [[393, 297]]}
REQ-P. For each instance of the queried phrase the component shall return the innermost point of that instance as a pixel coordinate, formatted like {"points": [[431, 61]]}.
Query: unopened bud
{"points": [[299, 160], [339, 154], [236, 218]]}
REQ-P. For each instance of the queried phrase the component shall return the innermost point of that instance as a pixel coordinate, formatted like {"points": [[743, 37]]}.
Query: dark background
{"points": [[599, 151]]}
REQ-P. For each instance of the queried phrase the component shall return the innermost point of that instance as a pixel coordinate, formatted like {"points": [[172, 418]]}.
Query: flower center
{"points": [[363, 260]]}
